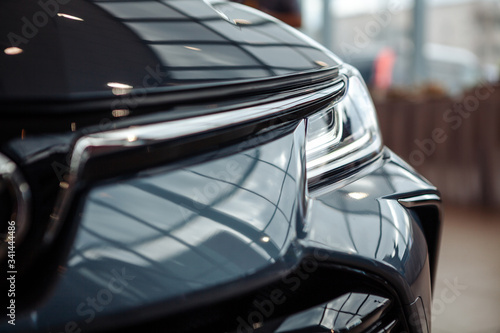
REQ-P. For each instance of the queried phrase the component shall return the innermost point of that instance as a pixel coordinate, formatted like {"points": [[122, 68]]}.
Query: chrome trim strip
{"points": [[116, 141], [420, 200], [12, 178], [167, 96], [123, 139]]}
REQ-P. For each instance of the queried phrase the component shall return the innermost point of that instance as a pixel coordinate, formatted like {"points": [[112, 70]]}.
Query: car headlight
{"points": [[344, 136]]}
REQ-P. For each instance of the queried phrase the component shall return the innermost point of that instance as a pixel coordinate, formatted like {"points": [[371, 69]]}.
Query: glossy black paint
{"points": [[142, 45]]}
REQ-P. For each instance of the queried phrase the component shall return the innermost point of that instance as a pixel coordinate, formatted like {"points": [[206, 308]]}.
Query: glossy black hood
{"points": [[61, 49]]}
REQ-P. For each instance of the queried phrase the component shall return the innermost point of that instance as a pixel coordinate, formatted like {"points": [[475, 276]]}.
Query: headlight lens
{"points": [[343, 136]]}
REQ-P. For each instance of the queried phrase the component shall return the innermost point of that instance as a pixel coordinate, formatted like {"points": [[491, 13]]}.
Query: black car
{"points": [[187, 166]]}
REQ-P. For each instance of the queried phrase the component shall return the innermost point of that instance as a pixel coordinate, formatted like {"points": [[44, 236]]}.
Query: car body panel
{"points": [[86, 47], [172, 221], [226, 220]]}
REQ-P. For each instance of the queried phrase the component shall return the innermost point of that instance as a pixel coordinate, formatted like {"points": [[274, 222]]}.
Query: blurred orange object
{"points": [[384, 65]]}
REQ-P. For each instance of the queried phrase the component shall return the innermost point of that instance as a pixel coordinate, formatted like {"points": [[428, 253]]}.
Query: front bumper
{"points": [[203, 244]]}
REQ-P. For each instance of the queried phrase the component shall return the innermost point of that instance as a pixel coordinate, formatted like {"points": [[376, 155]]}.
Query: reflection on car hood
{"points": [[82, 47]]}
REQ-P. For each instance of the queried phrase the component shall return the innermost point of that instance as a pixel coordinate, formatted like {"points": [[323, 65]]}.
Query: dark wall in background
{"points": [[455, 143]]}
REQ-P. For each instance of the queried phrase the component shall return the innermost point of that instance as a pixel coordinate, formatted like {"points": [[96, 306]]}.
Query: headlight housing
{"points": [[344, 136]]}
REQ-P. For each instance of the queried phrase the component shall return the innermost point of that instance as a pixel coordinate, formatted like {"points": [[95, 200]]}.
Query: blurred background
{"points": [[432, 67]]}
